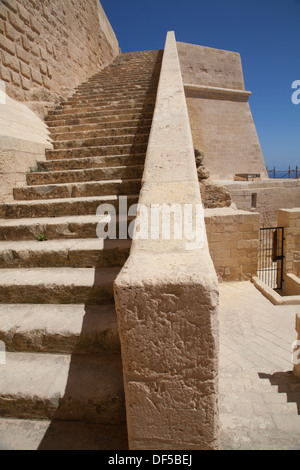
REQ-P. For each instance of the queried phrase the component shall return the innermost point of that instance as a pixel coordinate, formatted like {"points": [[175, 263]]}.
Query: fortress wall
{"points": [[47, 48], [52, 46], [269, 196], [233, 240], [221, 120]]}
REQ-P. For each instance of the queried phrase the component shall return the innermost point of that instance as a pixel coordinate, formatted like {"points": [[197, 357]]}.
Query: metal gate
{"points": [[270, 263]]}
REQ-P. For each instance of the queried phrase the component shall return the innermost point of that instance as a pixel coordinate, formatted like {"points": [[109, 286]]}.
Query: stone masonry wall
{"points": [[233, 240], [290, 220], [265, 197], [48, 47], [221, 120]]}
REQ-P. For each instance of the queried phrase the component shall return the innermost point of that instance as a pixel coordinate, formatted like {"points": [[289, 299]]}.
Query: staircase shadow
{"points": [[103, 352], [286, 383]]}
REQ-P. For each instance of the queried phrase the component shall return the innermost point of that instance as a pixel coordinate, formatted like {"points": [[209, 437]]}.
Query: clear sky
{"points": [[265, 32]]}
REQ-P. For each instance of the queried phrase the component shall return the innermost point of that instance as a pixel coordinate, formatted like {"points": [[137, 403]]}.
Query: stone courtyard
{"points": [[259, 397]]}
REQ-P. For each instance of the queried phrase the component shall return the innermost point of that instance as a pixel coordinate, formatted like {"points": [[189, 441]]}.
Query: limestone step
{"points": [[57, 228], [100, 104], [118, 139], [98, 151], [92, 162], [99, 133], [112, 83], [67, 190], [89, 286], [63, 387], [102, 112], [83, 206], [98, 125], [31, 435], [85, 175], [102, 120], [90, 97], [59, 329], [72, 253]]}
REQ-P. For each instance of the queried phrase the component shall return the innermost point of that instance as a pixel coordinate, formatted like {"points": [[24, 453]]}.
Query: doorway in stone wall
{"points": [[270, 262]]}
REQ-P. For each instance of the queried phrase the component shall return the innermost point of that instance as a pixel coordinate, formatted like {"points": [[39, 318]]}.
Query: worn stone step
{"points": [[102, 112], [119, 139], [100, 151], [92, 162], [57, 228], [59, 329], [72, 253], [115, 123], [86, 175], [58, 207], [102, 120], [63, 387], [101, 105], [109, 95], [89, 286], [99, 133], [113, 83], [31, 435], [67, 190]]}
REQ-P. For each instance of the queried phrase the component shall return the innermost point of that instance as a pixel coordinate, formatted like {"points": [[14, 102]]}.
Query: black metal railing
{"points": [[270, 263]]}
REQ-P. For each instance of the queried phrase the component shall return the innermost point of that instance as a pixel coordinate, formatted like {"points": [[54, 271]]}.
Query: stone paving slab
{"points": [[259, 396]]}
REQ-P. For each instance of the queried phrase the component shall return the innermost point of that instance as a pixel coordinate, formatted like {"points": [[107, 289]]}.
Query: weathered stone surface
{"points": [[214, 194], [167, 296]]}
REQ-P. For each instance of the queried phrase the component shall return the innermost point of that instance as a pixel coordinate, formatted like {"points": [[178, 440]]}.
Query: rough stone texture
{"points": [[167, 296], [24, 138], [290, 220], [214, 195], [233, 240], [219, 111], [50, 47], [271, 195]]}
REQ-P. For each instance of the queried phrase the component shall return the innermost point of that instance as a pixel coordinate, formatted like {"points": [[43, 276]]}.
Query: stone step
{"points": [[115, 123], [57, 228], [112, 84], [59, 329], [62, 387], [102, 120], [110, 95], [67, 190], [101, 141], [80, 206], [94, 134], [92, 162], [31, 435], [88, 286], [100, 101], [104, 104], [103, 112], [72, 253], [100, 151], [86, 175]]}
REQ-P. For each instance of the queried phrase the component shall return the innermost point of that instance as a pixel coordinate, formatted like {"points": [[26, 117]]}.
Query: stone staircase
{"points": [[62, 385]]}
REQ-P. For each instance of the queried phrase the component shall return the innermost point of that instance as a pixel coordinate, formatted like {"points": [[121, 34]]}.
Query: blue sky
{"points": [[265, 32]]}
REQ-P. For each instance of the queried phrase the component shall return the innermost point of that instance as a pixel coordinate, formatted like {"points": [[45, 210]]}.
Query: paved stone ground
{"points": [[259, 396]]}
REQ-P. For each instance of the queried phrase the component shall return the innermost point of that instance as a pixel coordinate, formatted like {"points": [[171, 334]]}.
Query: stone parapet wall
{"points": [[221, 120], [265, 197], [290, 220], [167, 296], [233, 240], [52, 46]]}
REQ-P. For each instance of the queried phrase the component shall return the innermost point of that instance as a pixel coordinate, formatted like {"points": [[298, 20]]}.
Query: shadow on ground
{"points": [[286, 383]]}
